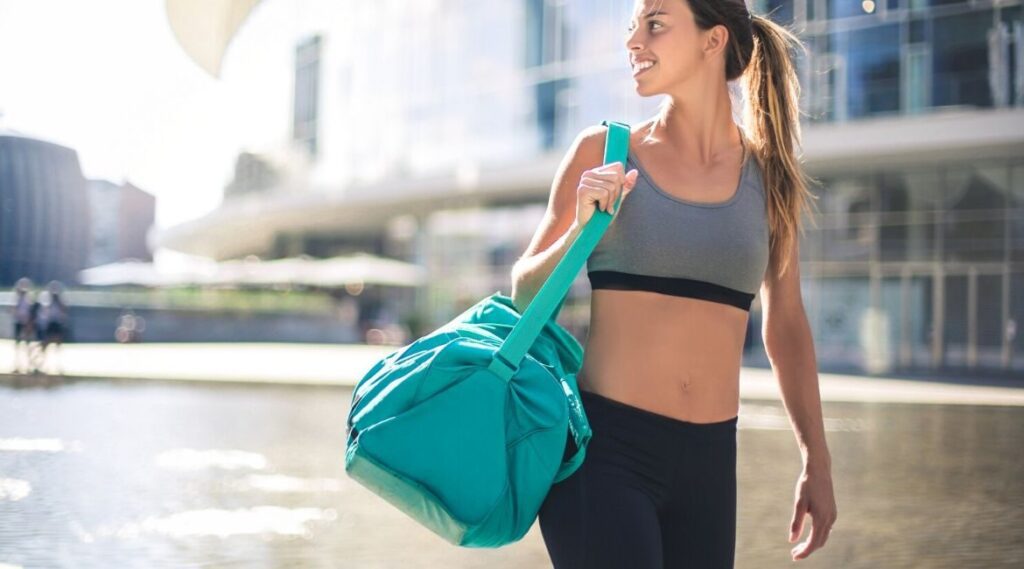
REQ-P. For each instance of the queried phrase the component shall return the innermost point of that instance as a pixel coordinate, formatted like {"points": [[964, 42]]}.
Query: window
{"points": [[873, 67], [307, 87], [960, 71], [546, 33], [917, 78]]}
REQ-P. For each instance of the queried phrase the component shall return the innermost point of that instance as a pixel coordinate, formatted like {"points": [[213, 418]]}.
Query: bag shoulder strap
{"points": [[548, 301]]}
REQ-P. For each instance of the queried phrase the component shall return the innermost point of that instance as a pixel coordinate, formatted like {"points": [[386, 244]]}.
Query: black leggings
{"points": [[653, 492]]}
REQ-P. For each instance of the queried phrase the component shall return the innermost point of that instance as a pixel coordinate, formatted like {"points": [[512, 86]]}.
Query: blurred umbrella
{"points": [[360, 268], [139, 273], [369, 269], [204, 28]]}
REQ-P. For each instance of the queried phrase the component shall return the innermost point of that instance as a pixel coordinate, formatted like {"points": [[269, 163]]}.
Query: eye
{"points": [[650, 23]]}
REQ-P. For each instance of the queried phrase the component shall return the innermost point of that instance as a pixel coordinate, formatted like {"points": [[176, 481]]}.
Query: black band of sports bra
{"points": [[675, 286]]}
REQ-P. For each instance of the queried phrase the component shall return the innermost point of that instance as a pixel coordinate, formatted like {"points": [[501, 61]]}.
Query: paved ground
{"points": [[208, 485], [343, 365]]}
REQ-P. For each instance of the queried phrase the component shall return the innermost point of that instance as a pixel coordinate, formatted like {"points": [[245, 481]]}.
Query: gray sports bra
{"points": [[662, 243]]}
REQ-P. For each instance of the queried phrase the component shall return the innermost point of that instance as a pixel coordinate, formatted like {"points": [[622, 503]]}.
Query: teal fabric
{"points": [[466, 429]]}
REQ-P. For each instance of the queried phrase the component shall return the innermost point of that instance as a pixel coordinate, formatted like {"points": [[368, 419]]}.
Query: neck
{"points": [[696, 121]]}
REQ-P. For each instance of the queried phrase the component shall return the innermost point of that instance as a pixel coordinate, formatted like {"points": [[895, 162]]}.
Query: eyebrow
{"points": [[656, 13]]}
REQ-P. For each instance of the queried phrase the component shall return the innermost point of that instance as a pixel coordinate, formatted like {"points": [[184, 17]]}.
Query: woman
{"points": [[24, 332], [709, 215], [53, 321]]}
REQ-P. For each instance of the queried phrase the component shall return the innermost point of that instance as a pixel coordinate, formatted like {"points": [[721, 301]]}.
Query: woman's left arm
{"points": [[790, 348]]}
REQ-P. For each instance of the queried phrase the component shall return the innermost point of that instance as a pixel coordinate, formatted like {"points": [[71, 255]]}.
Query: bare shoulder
{"points": [[589, 146], [591, 140], [586, 152]]}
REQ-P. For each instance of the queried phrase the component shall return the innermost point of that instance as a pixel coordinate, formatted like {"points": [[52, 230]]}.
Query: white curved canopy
{"points": [[204, 28]]}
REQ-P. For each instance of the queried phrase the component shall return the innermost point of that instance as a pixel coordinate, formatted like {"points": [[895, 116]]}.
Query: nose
{"points": [[632, 41]]}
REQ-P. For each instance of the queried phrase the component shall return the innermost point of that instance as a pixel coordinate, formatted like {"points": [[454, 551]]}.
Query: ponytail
{"points": [[773, 121]]}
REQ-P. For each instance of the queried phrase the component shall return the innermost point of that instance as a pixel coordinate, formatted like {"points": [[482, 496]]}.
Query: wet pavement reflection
{"points": [[122, 474]]}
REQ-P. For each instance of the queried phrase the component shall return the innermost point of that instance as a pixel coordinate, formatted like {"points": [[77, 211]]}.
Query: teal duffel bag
{"points": [[466, 429]]}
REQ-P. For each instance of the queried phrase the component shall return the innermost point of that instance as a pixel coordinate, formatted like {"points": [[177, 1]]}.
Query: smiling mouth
{"points": [[640, 72]]}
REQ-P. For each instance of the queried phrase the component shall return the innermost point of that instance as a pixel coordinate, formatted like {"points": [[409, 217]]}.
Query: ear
{"points": [[715, 40]]}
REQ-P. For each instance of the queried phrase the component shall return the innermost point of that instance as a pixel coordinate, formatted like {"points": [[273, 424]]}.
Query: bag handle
{"points": [[548, 301], [579, 432]]}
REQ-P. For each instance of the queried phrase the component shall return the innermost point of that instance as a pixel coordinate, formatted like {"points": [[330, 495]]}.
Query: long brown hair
{"points": [[759, 53]]}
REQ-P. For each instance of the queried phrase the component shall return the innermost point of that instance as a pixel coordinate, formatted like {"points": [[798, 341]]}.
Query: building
{"points": [[122, 217], [430, 131], [44, 214], [915, 121]]}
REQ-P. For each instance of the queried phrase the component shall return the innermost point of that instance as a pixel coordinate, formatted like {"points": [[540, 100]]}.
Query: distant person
{"points": [[39, 322], [53, 322], [24, 325], [709, 216]]}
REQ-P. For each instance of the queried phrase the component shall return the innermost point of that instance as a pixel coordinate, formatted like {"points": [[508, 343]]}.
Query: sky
{"points": [[108, 79]]}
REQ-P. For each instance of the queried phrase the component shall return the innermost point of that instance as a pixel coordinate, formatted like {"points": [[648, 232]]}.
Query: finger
{"points": [[613, 197], [817, 539], [612, 169], [827, 531], [818, 535], [596, 195], [609, 183], [613, 172], [825, 534], [627, 188], [598, 182], [622, 190], [593, 186], [796, 525], [601, 195], [609, 192], [806, 548], [631, 179]]}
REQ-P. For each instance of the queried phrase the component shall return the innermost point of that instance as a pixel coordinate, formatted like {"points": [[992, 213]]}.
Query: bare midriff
{"points": [[672, 355]]}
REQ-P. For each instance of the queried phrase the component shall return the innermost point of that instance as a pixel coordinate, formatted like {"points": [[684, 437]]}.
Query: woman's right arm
{"points": [[572, 202]]}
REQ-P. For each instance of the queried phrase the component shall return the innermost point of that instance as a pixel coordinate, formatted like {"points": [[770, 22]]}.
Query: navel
{"points": [[685, 383]]}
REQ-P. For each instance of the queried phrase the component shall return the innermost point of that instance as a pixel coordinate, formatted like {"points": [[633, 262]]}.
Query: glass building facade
{"points": [[914, 264], [885, 57], [910, 264]]}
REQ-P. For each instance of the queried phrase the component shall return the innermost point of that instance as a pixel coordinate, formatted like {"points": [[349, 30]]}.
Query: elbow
{"points": [[775, 333], [520, 299], [771, 347], [517, 287], [768, 339], [522, 293], [769, 333]]}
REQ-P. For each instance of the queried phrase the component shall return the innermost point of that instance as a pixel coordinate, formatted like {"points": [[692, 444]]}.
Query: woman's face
{"points": [[664, 31]]}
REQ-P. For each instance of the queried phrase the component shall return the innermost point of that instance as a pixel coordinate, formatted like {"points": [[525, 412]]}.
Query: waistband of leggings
{"points": [[604, 404]]}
